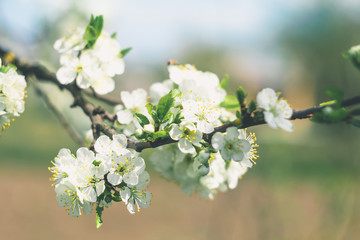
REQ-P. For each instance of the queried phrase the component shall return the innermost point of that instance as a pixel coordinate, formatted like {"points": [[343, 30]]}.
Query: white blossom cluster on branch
{"points": [[91, 57], [110, 173], [12, 94], [187, 109]]}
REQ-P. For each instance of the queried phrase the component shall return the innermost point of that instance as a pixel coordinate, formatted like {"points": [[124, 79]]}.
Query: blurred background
{"points": [[305, 184]]}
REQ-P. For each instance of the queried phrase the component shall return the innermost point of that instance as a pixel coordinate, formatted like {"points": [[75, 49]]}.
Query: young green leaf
{"points": [[251, 107], [165, 103], [241, 96], [224, 82], [335, 94], [230, 103], [99, 220], [142, 119], [93, 30]]}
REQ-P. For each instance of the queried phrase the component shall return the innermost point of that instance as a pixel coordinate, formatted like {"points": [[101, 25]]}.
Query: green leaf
{"points": [[230, 103], [149, 107], [251, 107], [142, 119], [113, 36], [98, 24], [330, 115], [124, 52], [355, 122], [165, 103], [93, 30], [224, 82], [90, 33], [99, 220], [241, 96], [238, 114], [335, 94]]}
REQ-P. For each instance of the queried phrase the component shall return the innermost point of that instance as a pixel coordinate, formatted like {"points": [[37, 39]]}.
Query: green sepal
{"points": [[124, 52], [99, 220], [96, 163], [5, 69], [116, 197], [142, 119]]}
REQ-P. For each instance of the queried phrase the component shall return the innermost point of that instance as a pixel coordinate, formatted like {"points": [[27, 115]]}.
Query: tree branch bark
{"points": [[97, 115]]}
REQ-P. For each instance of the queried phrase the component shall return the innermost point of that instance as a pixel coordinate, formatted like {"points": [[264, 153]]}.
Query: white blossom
{"points": [[277, 112], [107, 51], [67, 196], [158, 90], [136, 197], [205, 85], [203, 113], [134, 102], [187, 135], [236, 145], [89, 67], [12, 94], [72, 42]]}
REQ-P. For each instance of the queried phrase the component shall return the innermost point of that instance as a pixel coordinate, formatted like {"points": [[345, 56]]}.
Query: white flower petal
{"points": [[100, 187], [131, 178], [125, 195], [218, 141], [124, 116], [185, 146], [66, 75], [175, 132]]}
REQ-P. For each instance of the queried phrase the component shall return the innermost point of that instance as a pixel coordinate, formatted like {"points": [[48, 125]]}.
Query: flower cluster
{"points": [[91, 57], [111, 173], [207, 173], [185, 108], [191, 109], [12, 94]]}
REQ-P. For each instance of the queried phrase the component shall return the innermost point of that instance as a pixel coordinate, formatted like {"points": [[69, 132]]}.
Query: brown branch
{"points": [[97, 115], [106, 99]]}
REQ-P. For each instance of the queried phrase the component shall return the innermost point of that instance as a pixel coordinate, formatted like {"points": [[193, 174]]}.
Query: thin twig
{"points": [[63, 121], [106, 99]]}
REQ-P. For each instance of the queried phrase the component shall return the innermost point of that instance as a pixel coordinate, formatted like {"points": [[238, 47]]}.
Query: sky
{"points": [[162, 30], [156, 29]]}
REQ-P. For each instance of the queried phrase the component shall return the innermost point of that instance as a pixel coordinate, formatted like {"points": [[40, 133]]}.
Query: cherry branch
{"points": [[98, 115]]}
